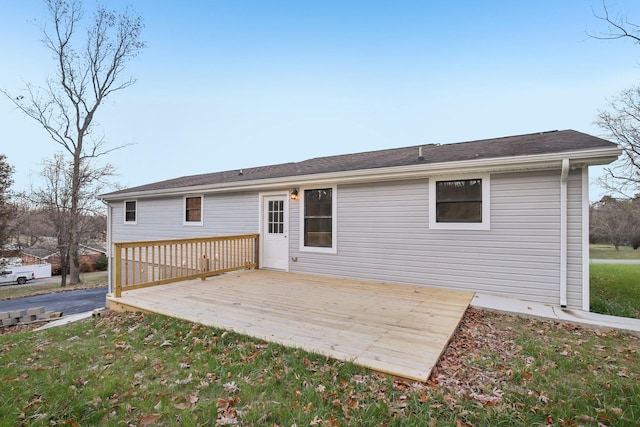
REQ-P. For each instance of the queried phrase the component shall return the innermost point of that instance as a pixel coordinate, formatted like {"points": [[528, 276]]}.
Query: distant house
{"points": [[50, 254], [505, 216]]}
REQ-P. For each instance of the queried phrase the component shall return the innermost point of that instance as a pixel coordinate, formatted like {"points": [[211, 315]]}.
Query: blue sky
{"points": [[235, 84]]}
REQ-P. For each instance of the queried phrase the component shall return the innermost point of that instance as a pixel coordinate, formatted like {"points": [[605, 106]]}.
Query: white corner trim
{"points": [[586, 257]]}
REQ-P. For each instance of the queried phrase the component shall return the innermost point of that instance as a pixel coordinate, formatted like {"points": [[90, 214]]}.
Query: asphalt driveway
{"points": [[68, 302]]}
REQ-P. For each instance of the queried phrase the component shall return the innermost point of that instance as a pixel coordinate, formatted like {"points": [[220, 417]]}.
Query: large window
{"points": [[459, 203], [459, 200], [193, 210], [318, 218], [130, 212]]}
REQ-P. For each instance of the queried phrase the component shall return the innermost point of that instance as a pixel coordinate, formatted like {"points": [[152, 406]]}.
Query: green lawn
{"points": [[150, 370], [609, 252], [615, 289]]}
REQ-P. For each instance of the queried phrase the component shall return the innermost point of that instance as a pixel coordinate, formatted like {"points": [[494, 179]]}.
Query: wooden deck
{"points": [[395, 329]]}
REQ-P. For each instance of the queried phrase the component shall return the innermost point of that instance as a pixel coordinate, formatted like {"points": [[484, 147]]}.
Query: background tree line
{"points": [[38, 215], [615, 222]]}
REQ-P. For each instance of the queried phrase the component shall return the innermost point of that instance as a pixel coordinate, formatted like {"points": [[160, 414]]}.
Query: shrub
{"points": [[102, 263]]}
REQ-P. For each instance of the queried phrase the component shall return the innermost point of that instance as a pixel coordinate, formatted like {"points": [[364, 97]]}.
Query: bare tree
{"points": [[622, 120], [616, 221], [6, 170], [90, 67], [618, 26], [622, 124], [28, 225], [54, 200]]}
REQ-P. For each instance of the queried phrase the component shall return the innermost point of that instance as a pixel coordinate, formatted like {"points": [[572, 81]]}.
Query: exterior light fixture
{"points": [[294, 194]]}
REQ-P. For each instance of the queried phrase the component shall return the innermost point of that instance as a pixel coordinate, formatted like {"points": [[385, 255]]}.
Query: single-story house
{"points": [[506, 216], [48, 252]]}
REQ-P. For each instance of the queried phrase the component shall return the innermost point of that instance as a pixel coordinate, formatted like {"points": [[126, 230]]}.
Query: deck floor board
{"points": [[392, 328]]}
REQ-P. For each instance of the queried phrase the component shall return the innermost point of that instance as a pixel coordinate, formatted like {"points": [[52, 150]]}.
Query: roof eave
{"points": [[579, 158]]}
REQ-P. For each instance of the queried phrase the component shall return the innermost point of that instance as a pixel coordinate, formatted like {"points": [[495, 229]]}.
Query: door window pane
{"points": [[275, 219]]}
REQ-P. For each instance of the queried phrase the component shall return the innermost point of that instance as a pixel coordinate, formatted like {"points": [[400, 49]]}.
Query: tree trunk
{"points": [[74, 242]]}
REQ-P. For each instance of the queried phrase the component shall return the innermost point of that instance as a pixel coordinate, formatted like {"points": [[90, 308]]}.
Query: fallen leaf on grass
{"points": [[231, 387], [226, 412], [623, 373], [186, 380], [542, 397], [181, 406], [148, 420], [316, 421]]}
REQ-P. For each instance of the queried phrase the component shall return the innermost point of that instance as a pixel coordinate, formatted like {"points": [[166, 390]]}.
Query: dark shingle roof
{"points": [[522, 145]]}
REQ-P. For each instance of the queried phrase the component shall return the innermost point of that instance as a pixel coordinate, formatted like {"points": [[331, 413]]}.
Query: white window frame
{"points": [[184, 210], [486, 203], [124, 218], [334, 220]]}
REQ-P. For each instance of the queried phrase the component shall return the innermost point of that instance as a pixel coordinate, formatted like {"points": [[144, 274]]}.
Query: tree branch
{"points": [[619, 27]]}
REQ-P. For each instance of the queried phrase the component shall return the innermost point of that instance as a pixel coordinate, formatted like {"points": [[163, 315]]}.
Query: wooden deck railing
{"points": [[156, 262]]}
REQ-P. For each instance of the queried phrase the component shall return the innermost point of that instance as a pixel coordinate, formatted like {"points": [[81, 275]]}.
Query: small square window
{"points": [[459, 200], [459, 203], [193, 210], [130, 212]]}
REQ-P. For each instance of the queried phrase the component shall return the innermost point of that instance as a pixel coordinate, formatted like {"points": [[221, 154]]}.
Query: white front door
{"points": [[275, 230]]}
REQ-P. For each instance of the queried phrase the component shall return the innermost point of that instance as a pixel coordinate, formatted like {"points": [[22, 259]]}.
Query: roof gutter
{"points": [[498, 164]]}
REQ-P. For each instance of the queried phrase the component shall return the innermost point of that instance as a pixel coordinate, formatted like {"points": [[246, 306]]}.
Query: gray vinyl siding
{"points": [[163, 218], [383, 234]]}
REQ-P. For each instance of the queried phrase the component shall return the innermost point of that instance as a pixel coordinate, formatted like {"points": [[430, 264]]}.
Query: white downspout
{"points": [[109, 254], [563, 231]]}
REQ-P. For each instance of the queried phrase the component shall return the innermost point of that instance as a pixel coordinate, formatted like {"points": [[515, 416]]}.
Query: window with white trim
{"points": [[318, 218], [459, 202], [130, 212], [193, 210]]}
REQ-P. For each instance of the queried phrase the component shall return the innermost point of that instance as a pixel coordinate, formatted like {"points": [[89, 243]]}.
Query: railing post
{"points": [[204, 266], [257, 251], [117, 286]]}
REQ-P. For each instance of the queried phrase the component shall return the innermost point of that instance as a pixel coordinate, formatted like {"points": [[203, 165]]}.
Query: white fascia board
{"points": [[580, 158]]}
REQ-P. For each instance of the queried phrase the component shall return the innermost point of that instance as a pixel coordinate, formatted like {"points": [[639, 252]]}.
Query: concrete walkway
{"points": [[65, 320], [555, 312]]}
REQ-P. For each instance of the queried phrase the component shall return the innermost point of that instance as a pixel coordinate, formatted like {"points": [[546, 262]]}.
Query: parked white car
{"points": [[12, 276]]}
